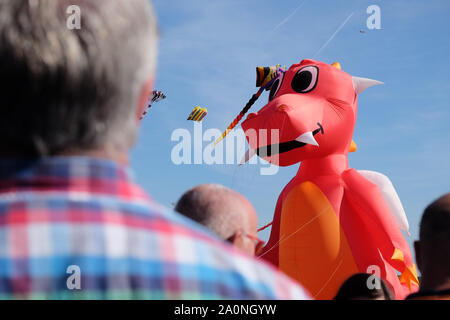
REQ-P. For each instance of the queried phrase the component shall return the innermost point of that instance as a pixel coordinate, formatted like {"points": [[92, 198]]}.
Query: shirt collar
{"points": [[83, 174]]}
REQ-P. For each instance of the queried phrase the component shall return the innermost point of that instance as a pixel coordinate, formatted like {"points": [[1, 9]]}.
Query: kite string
{"points": [[265, 227], [284, 237], [269, 224]]}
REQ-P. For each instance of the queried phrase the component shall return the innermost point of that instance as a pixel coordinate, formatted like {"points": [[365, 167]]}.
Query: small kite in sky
{"points": [[198, 114], [155, 97]]}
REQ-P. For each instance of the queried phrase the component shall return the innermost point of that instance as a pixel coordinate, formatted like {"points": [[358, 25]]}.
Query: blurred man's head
{"points": [[74, 91], [364, 286], [223, 211], [433, 247]]}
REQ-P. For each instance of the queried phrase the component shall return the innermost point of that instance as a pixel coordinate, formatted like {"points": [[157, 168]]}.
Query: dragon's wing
{"points": [[389, 195]]}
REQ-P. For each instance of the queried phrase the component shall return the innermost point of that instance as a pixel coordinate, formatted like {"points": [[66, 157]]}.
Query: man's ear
{"points": [[144, 95], [417, 249], [236, 239]]}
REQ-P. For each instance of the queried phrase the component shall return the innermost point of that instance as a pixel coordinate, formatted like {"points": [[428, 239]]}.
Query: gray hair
{"points": [[218, 208], [63, 89]]}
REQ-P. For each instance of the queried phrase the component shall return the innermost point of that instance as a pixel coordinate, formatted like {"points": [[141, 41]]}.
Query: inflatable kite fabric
{"points": [[330, 221]]}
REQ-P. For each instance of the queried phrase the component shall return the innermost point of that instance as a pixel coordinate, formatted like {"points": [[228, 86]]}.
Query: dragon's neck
{"points": [[333, 164]]}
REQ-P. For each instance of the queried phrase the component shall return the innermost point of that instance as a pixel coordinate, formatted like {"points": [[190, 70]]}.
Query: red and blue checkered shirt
{"points": [[79, 228]]}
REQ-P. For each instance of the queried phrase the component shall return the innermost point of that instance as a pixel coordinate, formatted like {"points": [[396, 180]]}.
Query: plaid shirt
{"points": [[79, 228]]}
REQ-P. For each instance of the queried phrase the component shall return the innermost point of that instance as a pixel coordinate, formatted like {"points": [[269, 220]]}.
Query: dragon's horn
{"points": [[336, 65], [361, 84], [353, 147]]}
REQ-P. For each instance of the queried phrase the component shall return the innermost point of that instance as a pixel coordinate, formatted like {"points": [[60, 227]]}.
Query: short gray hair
{"points": [[218, 208], [62, 89]]}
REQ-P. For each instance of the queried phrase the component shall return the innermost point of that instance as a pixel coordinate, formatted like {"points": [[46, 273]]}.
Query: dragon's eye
{"points": [[276, 86], [305, 79]]}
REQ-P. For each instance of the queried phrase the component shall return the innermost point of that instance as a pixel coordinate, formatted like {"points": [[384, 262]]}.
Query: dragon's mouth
{"points": [[282, 147]]}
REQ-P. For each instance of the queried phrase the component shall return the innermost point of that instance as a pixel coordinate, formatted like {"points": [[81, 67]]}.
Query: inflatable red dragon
{"points": [[330, 221]]}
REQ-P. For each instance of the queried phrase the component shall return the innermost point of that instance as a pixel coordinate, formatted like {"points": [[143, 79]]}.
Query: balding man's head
{"points": [[433, 249], [222, 210]]}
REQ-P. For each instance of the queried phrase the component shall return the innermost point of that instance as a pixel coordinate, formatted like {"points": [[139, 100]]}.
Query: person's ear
{"points": [[418, 251], [237, 239], [144, 95]]}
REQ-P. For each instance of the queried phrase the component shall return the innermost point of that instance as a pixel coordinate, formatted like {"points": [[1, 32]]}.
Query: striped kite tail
{"points": [[240, 115]]}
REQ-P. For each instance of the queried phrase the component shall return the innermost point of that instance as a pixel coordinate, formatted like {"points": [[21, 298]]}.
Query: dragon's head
{"points": [[311, 113]]}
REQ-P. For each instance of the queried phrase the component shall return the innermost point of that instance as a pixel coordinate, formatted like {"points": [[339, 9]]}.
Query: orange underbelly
{"points": [[313, 248]]}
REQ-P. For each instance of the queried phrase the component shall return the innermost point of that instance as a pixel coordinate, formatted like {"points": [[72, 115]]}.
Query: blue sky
{"points": [[207, 56]]}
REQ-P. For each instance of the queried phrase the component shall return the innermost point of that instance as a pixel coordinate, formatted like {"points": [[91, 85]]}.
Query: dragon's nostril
{"points": [[251, 115], [282, 107]]}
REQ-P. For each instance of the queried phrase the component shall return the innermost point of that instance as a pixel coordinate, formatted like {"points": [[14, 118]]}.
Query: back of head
{"points": [[435, 236], [363, 286], [67, 89], [220, 209]]}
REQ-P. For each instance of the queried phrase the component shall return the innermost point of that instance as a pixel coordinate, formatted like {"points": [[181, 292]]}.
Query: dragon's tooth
{"points": [[307, 138]]}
